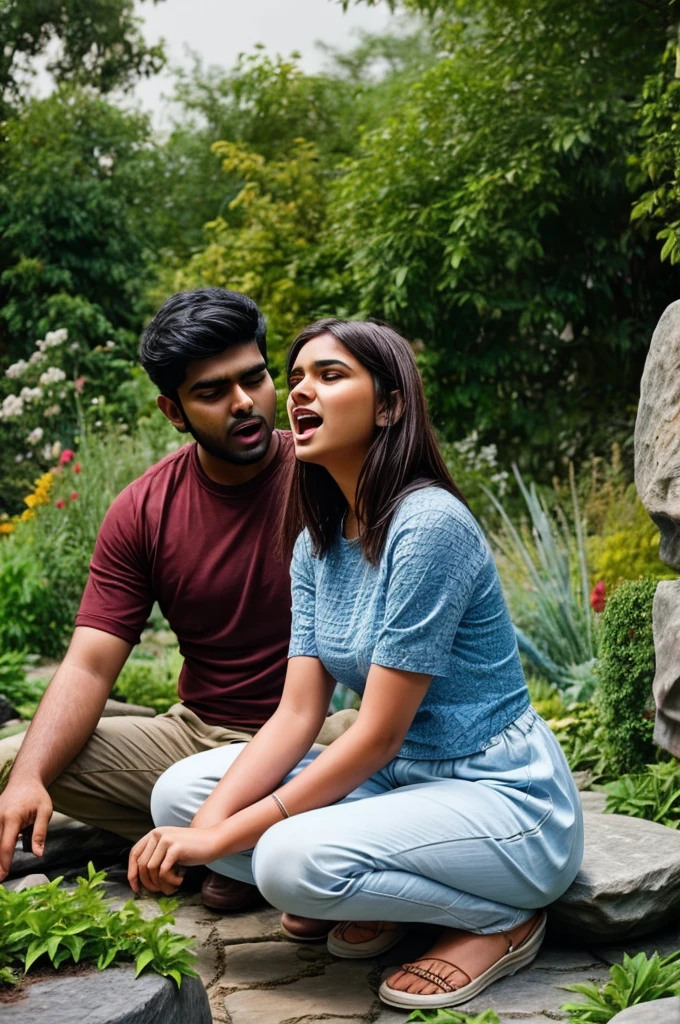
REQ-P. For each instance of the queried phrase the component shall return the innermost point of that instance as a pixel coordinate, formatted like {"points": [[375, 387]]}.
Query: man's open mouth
{"points": [[248, 430], [306, 423]]}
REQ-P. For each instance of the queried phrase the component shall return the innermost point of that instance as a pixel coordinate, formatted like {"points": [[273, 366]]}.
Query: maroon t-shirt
{"points": [[207, 554]]}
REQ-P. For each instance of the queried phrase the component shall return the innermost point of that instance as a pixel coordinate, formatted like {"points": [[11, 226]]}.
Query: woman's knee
{"points": [[292, 871], [169, 798]]}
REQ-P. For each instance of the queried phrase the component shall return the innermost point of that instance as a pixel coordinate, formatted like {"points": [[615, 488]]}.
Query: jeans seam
{"points": [[464, 839]]}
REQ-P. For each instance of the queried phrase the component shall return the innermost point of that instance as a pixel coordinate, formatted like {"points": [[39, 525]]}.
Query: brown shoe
{"points": [[305, 929], [226, 894]]}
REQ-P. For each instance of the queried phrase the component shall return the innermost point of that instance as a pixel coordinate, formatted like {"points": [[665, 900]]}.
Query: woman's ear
{"points": [[396, 411]]}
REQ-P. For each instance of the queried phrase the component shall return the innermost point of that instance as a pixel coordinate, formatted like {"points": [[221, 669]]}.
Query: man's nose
{"points": [[241, 401]]}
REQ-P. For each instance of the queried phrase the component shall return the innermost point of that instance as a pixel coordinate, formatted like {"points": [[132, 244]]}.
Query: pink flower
{"points": [[598, 597], [77, 467], [74, 495], [80, 384], [61, 503], [66, 456]]}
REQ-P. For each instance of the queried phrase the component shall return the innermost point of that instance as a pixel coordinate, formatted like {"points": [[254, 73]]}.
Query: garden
{"points": [[501, 182]]}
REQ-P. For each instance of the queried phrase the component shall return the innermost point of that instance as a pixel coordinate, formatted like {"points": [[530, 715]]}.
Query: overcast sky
{"points": [[219, 30]]}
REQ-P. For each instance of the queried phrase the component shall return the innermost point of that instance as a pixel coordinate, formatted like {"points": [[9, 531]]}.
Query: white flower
{"points": [[74, 347], [95, 401], [97, 423], [12, 406], [46, 452], [37, 357], [40, 345], [36, 436], [16, 369], [110, 344], [56, 449], [52, 410], [52, 376], [55, 338], [18, 458], [30, 394], [106, 161]]}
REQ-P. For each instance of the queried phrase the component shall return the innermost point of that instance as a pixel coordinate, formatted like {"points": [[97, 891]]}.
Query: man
{"points": [[197, 534]]}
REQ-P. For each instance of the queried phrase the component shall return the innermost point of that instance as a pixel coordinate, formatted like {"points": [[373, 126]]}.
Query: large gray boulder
{"points": [[70, 844], [666, 686], [659, 1011], [657, 434], [629, 882], [110, 997]]}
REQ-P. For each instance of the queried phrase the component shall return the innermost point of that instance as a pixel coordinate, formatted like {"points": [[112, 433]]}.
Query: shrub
{"points": [[579, 733], [626, 671], [654, 794], [150, 681], [453, 1017], [50, 924], [23, 695], [639, 979]]}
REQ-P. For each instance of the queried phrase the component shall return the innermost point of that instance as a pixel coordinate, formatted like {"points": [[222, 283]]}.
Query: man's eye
{"points": [[253, 381], [208, 395]]}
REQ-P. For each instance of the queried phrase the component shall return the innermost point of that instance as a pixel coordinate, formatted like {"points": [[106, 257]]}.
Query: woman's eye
{"points": [[331, 375]]}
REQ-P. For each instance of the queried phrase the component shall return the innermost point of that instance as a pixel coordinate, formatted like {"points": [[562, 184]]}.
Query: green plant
{"points": [[548, 589], [639, 979], [546, 698], [58, 925], [626, 671], [579, 734], [150, 680], [654, 794], [15, 687], [453, 1017]]}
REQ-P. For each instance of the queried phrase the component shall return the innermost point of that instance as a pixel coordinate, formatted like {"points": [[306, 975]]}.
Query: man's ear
{"points": [[172, 412], [396, 412]]}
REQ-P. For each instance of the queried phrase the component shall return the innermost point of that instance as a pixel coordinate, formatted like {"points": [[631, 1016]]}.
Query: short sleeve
{"points": [[118, 597], [303, 591], [433, 564]]}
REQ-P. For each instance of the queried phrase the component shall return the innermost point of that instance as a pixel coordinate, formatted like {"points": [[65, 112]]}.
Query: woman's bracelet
{"points": [[281, 806]]}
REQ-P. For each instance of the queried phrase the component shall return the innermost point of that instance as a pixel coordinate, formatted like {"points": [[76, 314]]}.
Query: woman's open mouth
{"points": [[248, 432], [306, 424]]}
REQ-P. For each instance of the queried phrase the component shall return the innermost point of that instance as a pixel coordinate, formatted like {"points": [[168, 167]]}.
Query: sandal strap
{"points": [[433, 977]]}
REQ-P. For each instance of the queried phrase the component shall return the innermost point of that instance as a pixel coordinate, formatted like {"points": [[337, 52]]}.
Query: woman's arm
{"points": [[390, 702], [277, 747]]}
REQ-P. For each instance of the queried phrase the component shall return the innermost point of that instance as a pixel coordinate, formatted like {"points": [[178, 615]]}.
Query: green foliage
{"points": [[150, 680], [547, 584], [55, 925], [579, 733], [640, 979], [105, 49], [23, 695], [546, 699], [452, 1017], [625, 672], [654, 794]]}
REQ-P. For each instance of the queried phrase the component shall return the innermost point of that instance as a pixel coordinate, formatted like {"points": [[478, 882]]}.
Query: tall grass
{"points": [[545, 574]]}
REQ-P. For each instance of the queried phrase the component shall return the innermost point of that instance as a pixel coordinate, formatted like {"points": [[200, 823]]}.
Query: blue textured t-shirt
{"points": [[433, 604]]}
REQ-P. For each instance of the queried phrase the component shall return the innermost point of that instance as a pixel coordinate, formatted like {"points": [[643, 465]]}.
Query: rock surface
{"points": [[666, 685], [657, 434], [660, 1011], [7, 712], [26, 882], [110, 997], [70, 844], [629, 883]]}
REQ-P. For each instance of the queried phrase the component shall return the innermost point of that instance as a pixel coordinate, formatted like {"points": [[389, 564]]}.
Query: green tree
{"points": [[98, 43]]}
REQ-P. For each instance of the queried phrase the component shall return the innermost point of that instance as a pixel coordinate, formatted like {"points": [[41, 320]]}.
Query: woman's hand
{"points": [[158, 860]]}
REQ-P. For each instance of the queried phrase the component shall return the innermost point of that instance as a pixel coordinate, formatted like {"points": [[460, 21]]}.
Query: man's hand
{"points": [[23, 804], [158, 859]]}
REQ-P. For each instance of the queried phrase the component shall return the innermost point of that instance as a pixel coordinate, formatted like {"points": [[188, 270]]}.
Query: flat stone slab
{"points": [[660, 1011], [110, 997], [69, 844], [628, 885]]}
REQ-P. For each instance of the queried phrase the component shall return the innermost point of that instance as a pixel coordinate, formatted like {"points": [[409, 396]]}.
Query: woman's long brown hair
{"points": [[402, 458]]}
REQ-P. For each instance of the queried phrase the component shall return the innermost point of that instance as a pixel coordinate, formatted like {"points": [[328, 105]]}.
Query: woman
{"points": [[448, 801]]}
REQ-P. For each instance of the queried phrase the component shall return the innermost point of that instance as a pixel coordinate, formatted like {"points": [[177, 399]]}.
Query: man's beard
{"points": [[222, 451]]}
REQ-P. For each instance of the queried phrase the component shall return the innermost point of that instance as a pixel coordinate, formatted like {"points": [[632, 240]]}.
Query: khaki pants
{"points": [[109, 783]]}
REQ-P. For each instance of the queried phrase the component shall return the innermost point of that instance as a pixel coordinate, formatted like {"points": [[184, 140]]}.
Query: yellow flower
{"points": [[6, 527]]}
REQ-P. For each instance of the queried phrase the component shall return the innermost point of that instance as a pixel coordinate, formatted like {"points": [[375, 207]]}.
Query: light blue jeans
{"points": [[477, 842]]}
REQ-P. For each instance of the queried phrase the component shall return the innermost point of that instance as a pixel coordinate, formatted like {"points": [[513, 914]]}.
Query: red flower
{"points": [[60, 503], [76, 467], [80, 384], [598, 597], [74, 495], [66, 456]]}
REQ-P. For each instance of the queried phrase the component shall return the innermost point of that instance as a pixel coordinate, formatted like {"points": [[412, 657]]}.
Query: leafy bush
{"points": [[547, 699], [150, 680], [48, 923], [545, 574], [654, 794], [639, 979], [626, 671], [579, 733], [15, 687]]}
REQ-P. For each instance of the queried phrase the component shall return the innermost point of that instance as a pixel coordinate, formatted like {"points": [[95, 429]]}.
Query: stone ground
{"points": [[254, 975]]}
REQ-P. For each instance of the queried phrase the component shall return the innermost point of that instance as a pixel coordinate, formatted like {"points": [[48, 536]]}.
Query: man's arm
{"points": [[66, 718]]}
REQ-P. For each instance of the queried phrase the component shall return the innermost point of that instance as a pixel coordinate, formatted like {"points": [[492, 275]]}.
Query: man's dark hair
{"points": [[197, 325]]}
